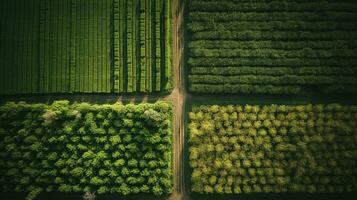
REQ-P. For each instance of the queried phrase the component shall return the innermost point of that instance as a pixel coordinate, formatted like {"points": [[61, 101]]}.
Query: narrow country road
{"points": [[178, 97]]}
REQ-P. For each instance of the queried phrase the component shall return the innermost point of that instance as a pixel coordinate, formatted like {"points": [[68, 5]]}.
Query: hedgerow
{"points": [[228, 16], [273, 25], [292, 6], [273, 148], [291, 35], [273, 80], [275, 45], [83, 147], [272, 62], [231, 71]]}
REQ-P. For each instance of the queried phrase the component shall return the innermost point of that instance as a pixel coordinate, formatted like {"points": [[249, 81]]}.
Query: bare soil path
{"points": [[178, 97]]}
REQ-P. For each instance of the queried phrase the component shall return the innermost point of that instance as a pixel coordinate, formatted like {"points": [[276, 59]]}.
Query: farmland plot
{"points": [[142, 56], [19, 38], [79, 46], [78, 148], [244, 149], [272, 47]]}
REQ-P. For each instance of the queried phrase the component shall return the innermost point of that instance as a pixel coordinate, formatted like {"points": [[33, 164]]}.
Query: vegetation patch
{"points": [[81, 147], [272, 47], [93, 46], [273, 148]]}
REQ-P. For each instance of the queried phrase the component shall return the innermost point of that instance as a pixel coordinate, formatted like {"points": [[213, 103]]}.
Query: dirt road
{"points": [[178, 97]]}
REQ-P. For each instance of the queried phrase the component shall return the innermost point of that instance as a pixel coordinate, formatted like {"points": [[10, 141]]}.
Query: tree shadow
{"points": [[79, 196], [90, 98], [276, 196]]}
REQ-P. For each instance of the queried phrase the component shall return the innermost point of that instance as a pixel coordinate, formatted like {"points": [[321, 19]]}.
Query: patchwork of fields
{"points": [[272, 47], [222, 140], [85, 46]]}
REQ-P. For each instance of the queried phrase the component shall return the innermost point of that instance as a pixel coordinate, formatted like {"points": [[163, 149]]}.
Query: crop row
{"points": [[272, 62], [271, 16], [243, 88], [277, 45], [268, 89], [84, 147], [291, 6], [272, 80], [247, 34], [273, 148], [271, 53], [274, 71], [272, 25]]}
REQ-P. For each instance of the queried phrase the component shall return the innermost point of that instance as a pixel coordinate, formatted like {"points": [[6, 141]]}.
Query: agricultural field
{"points": [[178, 99], [85, 46], [143, 63], [82, 147], [244, 149], [272, 47]]}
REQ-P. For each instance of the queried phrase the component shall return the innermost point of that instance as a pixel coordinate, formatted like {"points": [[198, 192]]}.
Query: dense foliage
{"points": [[87, 46], [273, 148], [84, 147], [274, 47]]}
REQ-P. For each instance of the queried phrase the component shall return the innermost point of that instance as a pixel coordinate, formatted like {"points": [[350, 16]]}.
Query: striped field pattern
{"points": [[272, 47], [84, 46]]}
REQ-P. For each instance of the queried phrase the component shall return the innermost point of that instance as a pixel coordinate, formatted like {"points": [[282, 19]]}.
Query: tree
{"points": [[153, 117], [208, 189], [131, 180], [124, 189], [194, 153], [218, 188], [157, 190], [207, 126], [219, 148]]}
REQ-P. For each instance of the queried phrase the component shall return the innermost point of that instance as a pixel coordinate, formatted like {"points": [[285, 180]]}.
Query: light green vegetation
{"points": [[273, 148]]}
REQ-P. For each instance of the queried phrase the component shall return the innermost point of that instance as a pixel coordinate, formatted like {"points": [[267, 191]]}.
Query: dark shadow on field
{"points": [[79, 196], [187, 38], [186, 152], [272, 99], [281, 196], [91, 98]]}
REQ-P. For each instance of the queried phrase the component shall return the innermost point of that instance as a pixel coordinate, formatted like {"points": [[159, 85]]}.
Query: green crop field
{"points": [[245, 149], [85, 147], [143, 62], [272, 47], [85, 46]]}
